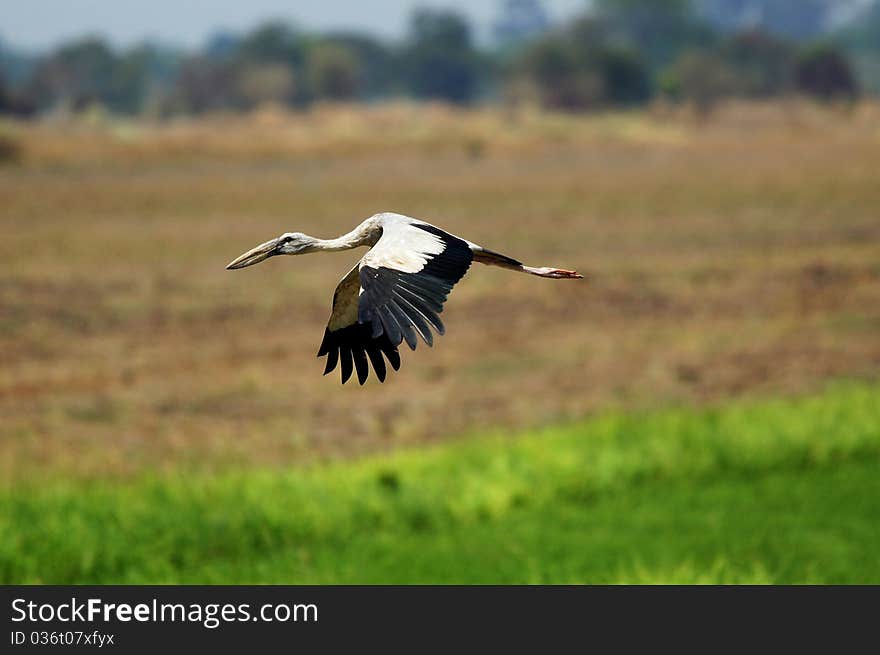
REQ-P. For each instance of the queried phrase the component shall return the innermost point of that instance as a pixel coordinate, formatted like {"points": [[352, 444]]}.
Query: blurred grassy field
{"points": [[159, 415], [732, 257], [757, 492]]}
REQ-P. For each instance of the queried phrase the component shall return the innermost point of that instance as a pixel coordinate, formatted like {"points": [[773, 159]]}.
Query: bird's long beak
{"points": [[255, 255]]}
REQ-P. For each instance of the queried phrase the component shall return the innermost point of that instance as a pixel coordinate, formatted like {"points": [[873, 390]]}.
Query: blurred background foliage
{"points": [[616, 53]]}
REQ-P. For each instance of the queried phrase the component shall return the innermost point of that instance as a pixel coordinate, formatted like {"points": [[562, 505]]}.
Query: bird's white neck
{"points": [[365, 234], [344, 242]]}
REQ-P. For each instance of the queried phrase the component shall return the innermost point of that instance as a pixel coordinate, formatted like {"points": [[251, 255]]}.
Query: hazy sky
{"points": [[36, 24]]}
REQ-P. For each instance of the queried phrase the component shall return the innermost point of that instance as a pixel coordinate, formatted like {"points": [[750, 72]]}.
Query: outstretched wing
{"points": [[394, 294], [406, 278]]}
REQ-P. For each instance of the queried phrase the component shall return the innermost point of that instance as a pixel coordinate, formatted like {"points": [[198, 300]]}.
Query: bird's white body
{"points": [[396, 291], [402, 246]]}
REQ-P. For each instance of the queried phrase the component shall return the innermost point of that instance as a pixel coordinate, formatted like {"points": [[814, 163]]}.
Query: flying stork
{"points": [[395, 293]]}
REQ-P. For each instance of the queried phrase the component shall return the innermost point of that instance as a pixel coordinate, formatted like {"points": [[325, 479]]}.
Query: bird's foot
{"points": [[554, 273]]}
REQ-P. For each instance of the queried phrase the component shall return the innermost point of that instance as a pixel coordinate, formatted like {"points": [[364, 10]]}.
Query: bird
{"points": [[395, 293]]}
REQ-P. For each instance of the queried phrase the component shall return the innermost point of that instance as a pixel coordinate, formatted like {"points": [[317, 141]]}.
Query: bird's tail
{"points": [[491, 258]]}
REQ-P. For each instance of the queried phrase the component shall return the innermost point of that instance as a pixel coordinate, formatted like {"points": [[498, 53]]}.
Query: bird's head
{"points": [[289, 243]]}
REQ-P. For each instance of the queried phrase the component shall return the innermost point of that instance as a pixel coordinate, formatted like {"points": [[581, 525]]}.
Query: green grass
{"points": [[778, 491]]}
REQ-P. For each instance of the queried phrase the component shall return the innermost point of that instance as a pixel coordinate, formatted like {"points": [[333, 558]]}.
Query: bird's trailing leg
{"points": [[496, 259], [554, 273]]}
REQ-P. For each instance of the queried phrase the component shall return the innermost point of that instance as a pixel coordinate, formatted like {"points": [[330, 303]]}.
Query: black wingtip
{"points": [[353, 349]]}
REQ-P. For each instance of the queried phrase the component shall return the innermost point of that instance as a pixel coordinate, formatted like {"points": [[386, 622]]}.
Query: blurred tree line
{"points": [[626, 52], [618, 53]]}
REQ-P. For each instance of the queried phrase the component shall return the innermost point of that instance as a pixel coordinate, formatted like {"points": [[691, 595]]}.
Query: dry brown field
{"points": [[734, 256]]}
